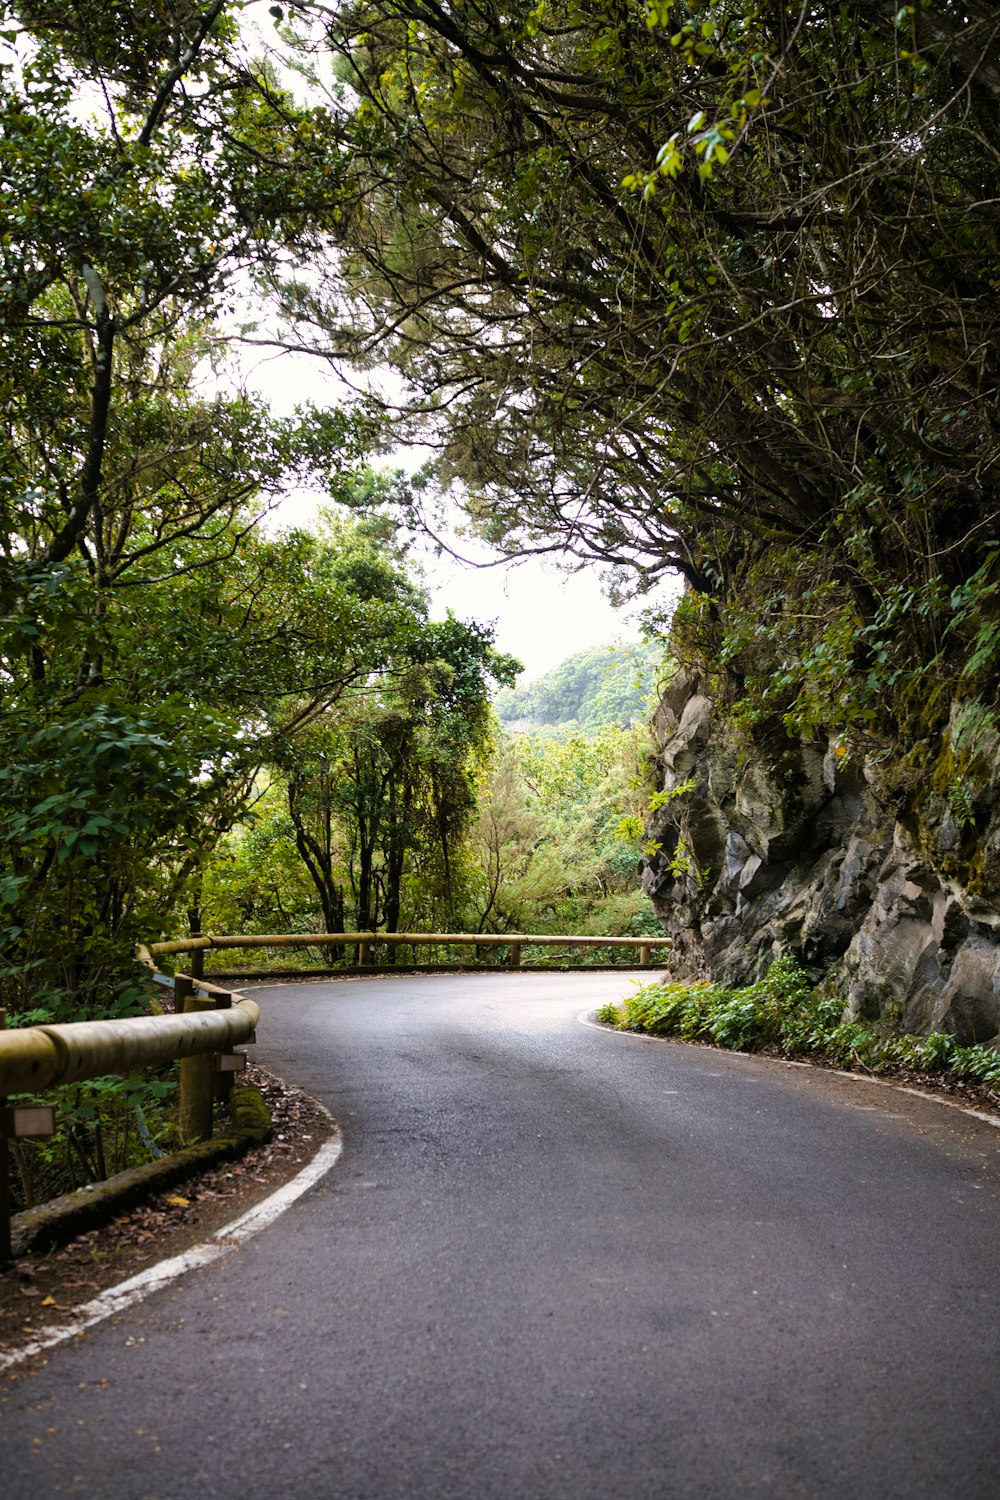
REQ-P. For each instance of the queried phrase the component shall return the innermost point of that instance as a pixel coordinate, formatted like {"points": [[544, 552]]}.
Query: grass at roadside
{"points": [[784, 1014]]}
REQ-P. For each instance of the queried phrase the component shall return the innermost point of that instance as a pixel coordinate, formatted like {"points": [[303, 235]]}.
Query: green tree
{"points": [[149, 651], [547, 852], [377, 750], [603, 685], [153, 649], [364, 563], [409, 751], [708, 288], [255, 880]]}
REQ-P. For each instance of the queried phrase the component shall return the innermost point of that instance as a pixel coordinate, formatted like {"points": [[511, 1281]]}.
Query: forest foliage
{"points": [[613, 684], [544, 833], [159, 647], [666, 285], [706, 287]]}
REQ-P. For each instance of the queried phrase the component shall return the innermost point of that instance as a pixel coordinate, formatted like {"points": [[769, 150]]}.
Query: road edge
{"points": [[137, 1288], [589, 1018]]}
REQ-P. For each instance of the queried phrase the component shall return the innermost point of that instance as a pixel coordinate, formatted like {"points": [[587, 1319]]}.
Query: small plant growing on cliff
{"points": [[684, 865], [671, 794], [960, 803], [631, 828]]}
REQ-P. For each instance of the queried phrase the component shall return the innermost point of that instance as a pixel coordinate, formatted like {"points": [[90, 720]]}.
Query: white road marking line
{"points": [[586, 1018], [118, 1298], [902, 1088]]}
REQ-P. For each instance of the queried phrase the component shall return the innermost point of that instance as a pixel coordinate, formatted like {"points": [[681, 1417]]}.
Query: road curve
{"points": [[557, 1263]]}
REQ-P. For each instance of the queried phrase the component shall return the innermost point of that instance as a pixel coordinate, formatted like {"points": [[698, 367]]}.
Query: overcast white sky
{"points": [[542, 614]]}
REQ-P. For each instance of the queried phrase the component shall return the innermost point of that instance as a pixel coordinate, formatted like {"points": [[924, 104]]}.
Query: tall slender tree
{"points": [[145, 656]]}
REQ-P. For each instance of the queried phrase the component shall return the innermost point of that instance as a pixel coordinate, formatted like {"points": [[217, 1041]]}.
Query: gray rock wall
{"points": [[892, 895]]}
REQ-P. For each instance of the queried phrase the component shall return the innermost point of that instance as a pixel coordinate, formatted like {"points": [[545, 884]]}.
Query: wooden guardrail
{"points": [[211, 1022], [208, 1023], [366, 941]]}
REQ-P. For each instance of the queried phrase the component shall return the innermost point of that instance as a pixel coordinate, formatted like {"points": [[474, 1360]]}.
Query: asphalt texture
{"points": [[557, 1263]]}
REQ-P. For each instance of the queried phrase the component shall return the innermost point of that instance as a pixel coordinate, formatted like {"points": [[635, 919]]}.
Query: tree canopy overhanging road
{"points": [[555, 1261], [665, 287]]}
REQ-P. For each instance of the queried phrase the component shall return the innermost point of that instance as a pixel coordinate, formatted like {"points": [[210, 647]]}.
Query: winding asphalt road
{"points": [[557, 1263]]}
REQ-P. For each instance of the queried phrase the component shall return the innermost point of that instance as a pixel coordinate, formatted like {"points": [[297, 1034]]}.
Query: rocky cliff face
{"points": [[884, 876]]}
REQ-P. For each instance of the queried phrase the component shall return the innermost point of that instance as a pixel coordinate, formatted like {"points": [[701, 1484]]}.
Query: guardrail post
{"points": [[515, 955], [183, 990], [644, 954], [364, 954], [222, 1078], [197, 1084], [5, 1247]]}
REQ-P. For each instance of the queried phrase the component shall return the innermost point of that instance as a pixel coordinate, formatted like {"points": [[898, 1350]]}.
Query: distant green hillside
{"points": [[604, 685]]}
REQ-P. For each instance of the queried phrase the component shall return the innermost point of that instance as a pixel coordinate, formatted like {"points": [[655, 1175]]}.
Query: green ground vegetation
{"points": [[783, 1013]]}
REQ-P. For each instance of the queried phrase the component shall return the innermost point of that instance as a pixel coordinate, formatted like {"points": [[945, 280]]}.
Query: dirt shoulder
{"points": [[42, 1289]]}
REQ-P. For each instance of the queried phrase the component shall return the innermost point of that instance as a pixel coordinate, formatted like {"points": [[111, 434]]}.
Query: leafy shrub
{"points": [[609, 1014], [746, 1018]]}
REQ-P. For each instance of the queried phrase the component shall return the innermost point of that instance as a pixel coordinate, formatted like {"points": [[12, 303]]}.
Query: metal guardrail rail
{"points": [[36, 1058], [366, 941]]}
